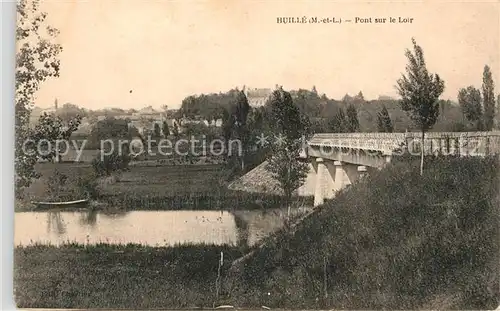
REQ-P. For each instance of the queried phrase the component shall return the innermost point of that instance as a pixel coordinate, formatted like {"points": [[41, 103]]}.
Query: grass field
{"points": [[107, 276], [395, 240], [158, 187]]}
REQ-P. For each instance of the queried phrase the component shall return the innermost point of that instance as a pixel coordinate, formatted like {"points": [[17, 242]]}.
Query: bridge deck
{"points": [[460, 143]]}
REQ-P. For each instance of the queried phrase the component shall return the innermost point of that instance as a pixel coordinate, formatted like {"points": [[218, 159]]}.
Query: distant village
{"points": [[143, 119], [205, 109]]}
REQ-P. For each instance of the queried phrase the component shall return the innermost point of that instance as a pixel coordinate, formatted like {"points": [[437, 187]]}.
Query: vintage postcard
{"points": [[257, 155]]}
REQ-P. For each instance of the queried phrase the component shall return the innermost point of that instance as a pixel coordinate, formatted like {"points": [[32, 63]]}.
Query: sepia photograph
{"points": [[257, 155]]}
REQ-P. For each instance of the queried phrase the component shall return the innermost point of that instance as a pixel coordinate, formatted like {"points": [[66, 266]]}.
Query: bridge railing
{"points": [[458, 143]]}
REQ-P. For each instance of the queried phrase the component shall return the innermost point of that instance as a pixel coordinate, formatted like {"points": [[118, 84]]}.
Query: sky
{"points": [[163, 51]]}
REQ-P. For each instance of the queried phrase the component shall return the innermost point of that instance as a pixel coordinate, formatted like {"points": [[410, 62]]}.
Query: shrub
{"points": [[108, 164]]}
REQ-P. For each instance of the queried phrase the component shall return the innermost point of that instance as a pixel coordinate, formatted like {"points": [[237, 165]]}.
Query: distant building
{"points": [[145, 119], [257, 96]]}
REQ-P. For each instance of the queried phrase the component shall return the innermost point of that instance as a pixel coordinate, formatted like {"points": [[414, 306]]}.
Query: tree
{"points": [[498, 112], [347, 98], [110, 163], [69, 112], [46, 134], [352, 119], [338, 124], [283, 162], [109, 128], [488, 99], [285, 116], [359, 98], [242, 108], [384, 121], [175, 130], [36, 61], [157, 130], [420, 92], [165, 129], [227, 127], [469, 100]]}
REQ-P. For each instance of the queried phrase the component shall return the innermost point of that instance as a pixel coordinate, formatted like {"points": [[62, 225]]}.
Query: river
{"points": [[153, 228]]}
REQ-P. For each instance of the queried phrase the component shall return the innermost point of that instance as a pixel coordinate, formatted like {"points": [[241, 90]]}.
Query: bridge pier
{"points": [[333, 176], [321, 182]]}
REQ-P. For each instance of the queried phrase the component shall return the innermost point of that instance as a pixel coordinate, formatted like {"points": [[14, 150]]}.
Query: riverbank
{"points": [[120, 276], [163, 187], [394, 240]]}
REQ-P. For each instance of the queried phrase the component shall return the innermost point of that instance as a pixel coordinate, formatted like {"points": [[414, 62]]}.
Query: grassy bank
{"points": [[107, 276], [163, 187], [396, 240]]}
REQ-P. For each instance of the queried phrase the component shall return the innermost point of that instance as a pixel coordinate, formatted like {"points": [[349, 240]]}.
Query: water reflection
{"points": [[155, 228], [55, 223], [88, 218]]}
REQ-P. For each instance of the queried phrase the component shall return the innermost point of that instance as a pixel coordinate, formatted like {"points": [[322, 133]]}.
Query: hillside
{"points": [[395, 240]]}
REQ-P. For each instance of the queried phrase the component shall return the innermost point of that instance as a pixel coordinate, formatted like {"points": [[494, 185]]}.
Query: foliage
{"points": [[48, 132], [227, 126], [289, 129], [285, 117], [36, 61], [109, 128], [175, 130], [87, 185], [384, 121], [157, 130], [352, 119], [420, 92], [166, 130], [70, 112], [56, 184], [338, 124], [241, 132], [488, 99], [470, 100], [308, 102], [208, 106], [395, 240], [106, 165]]}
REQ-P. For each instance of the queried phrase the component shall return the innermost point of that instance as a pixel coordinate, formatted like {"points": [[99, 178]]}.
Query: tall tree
{"points": [[352, 119], [36, 61], [157, 130], [420, 92], [359, 98], [498, 112], [175, 130], [288, 127], [469, 100], [384, 121], [338, 124], [488, 99], [165, 129], [227, 127], [242, 108]]}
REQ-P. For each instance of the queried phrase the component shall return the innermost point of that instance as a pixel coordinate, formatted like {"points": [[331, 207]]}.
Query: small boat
{"points": [[76, 203]]}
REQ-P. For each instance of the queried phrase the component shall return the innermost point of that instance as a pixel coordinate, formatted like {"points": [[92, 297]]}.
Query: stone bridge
{"points": [[338, 159]]}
